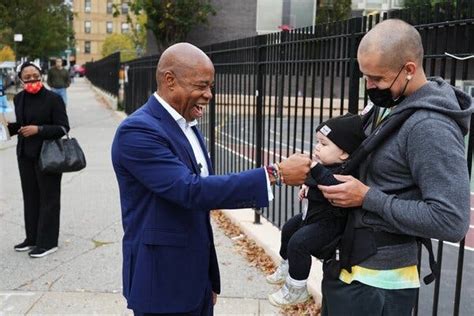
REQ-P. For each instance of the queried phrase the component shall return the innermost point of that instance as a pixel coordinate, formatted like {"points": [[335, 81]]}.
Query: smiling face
{"points": [[185, 77], [192, 91], [326, 152]]}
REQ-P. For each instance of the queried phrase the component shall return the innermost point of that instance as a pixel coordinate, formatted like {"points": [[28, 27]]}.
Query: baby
{"points": [[317, 229]]}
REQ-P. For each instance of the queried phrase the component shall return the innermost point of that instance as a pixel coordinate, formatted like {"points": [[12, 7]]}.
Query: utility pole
{"points": [[17, 38]]}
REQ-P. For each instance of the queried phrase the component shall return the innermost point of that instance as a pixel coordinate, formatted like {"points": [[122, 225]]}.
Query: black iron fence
{"points": [[140, 81], [105, 73], [271, 91]]}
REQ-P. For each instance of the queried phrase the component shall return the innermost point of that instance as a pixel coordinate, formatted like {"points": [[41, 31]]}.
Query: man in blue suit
{"points": [[167, 189]]}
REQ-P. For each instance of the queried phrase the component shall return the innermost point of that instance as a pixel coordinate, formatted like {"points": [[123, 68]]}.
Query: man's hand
{"points": [[214, 298], [351, 193], [294, 169], [29, 130]]}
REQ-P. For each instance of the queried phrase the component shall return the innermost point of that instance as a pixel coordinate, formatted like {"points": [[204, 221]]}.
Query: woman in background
{"points": [[40, 114]]}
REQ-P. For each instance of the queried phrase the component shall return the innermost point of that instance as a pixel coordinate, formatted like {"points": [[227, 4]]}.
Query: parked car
{"points": [[80, 70], [7, 73]]}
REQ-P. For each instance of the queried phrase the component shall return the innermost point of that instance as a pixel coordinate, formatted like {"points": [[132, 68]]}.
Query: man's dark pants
{"points": [[358, 299], [206, 308]]}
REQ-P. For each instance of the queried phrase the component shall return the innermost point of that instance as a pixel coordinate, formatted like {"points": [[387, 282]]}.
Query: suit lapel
{"points": [[183, 147], [204, 149]]}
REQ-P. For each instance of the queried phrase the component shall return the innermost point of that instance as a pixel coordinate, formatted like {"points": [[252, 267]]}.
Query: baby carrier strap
{"points": [[380, 134], [359, 243]]}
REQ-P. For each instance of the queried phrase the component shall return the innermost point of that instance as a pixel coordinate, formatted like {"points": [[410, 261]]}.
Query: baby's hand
{"points": [[303, 192]]}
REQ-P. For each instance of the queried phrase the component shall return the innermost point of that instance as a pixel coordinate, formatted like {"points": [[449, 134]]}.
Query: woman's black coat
{"points": [[45, 109]]}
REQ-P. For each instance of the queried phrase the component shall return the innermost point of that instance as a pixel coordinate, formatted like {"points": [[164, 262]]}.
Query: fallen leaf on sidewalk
{"points": [[99, 243], [258, 258]]}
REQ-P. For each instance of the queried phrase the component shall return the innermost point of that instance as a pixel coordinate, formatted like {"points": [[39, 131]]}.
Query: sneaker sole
{"points": [[23, 249], [274, 303], [50, 251], [275, 282]]}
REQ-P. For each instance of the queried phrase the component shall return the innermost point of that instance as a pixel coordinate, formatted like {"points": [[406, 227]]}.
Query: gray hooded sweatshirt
{"points": [[424, 159]]}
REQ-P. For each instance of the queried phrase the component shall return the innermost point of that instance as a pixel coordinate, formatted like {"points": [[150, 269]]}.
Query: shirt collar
{"points": [[174, 114]]}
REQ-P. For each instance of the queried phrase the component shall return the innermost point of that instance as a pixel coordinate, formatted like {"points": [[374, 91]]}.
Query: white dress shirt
{"points": [[186, 127]]}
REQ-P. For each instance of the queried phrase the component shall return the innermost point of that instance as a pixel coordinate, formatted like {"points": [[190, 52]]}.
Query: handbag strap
{"points": [[65, 132]]}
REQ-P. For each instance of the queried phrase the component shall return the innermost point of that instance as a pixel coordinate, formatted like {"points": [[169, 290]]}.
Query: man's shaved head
{"points": [[181, 59], [397, 41]]}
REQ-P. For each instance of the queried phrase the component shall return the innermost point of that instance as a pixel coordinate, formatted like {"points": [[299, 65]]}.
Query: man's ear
{"points": [[170, 80], [344, 156], [410, 69]]}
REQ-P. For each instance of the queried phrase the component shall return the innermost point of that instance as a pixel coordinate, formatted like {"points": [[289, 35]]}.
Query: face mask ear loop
{"points": [[396, 77], [403, 91], [36, 80]]}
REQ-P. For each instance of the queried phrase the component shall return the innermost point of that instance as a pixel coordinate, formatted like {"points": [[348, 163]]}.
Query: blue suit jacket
{"points": [[168, 250]]}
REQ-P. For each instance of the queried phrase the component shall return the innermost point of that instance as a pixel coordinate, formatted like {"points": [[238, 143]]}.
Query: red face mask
{"points": [[33, 86]]}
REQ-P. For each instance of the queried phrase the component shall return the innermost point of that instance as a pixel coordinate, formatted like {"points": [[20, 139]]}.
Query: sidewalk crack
{"points": [[34, 304], [73, 177], [67, 261]]}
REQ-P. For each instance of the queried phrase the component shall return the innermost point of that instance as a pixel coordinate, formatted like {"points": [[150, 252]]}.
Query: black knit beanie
{"points": [[346, 131]]}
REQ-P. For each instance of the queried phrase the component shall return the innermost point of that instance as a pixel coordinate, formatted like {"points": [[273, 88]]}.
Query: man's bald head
{"points": [[181, 59], [396, 42]]}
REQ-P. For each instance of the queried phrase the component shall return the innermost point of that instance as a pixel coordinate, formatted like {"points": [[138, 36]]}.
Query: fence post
{"points": [[212, 118], [281, 92], [354, 75], [212, 129], [260, 67]]}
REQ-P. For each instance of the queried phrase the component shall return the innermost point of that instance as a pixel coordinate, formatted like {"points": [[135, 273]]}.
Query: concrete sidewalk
{"points": [[84, 276]]}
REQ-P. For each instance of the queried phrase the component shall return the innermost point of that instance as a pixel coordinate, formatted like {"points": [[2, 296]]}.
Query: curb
{"points": [[267, 236]]}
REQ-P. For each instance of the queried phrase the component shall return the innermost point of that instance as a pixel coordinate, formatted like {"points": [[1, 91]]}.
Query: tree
{"points": [[331, 11], [45, 24], [119, 43], [409, 4], [442, 9], [172, 20], [7, 54], [138, 33], [137, 26]]}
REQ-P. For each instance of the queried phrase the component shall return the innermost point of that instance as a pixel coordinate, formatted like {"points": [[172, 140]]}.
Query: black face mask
{"points": [[383, 97]]}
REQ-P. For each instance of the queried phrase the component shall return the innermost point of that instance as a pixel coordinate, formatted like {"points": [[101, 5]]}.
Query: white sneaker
{"points": [[280, 274], [289, 295], [41, 252]]}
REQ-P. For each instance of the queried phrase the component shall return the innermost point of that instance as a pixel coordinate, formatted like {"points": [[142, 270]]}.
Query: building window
{"points": [[87, 26], [125, 27], [109, 27], [124, 7], [87, 47], [87, 6], [109, 6]]}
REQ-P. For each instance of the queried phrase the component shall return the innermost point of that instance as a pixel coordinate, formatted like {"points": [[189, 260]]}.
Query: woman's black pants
{"points": [[42, 202]]}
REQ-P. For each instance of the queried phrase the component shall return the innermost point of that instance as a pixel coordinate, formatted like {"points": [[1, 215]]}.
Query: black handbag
{"points": [[61, 155]]}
